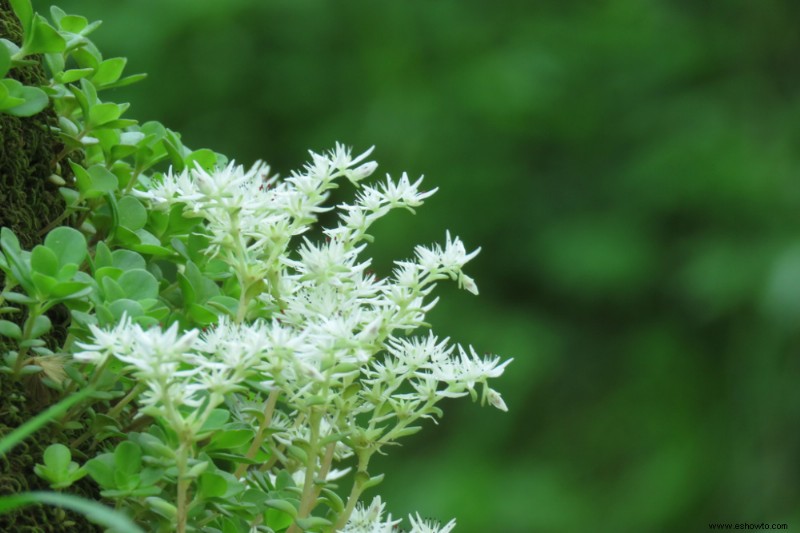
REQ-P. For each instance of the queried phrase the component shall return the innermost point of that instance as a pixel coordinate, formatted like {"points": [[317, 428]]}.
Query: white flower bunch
{"points": [[326, 339], [369, 519]]}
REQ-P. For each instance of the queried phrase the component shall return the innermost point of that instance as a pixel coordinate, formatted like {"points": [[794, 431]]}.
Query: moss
{"points": [[28, 150]]}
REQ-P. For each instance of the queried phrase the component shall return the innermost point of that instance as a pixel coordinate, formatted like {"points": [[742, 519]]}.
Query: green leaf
{"points": [[33, 100], [109, 71], [138, 284], [41, 326], [71, 196], [24, 12], [66, 272], [18, 261], [73, 23], [100, 114], [214, 422], [282, 505], [69, 76], [132, 214], [107, 271], [18, 298], [127, 80], [80, 97], [10, 330], [102, 255], [204, 157], [334, 501], [312, 522], [94, 181], [127, 260], [223, 304], [87, 57], [101, 469], [202, 315], [278, 520], [162, 507], [111, 289], [92, 510], [57, 458], [6, 100], [125, 306], [44, 260], [68, 244], [44, 38], [212, 485], [230, 439], [5, 61], [70, 289], [128, 458], [56, 13]]}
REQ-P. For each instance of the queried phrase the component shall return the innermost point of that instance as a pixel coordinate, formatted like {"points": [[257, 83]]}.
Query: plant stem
{"points": [[33, 314], [326, 464], [355, 493], [308, 498], [114, 411], [182, 460], [258, 440]]}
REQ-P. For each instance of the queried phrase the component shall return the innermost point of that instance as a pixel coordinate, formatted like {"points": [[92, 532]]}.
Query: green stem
{"points": [[308, 500], [182, 462], [114, 411], [258, 440], [22, 356], [355, 493]]}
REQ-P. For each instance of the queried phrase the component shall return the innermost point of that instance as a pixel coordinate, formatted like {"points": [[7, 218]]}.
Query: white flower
{"points": [[467, 370], [419, 525], [403, 193], [118, 339], [495, 400], [369, 519]]}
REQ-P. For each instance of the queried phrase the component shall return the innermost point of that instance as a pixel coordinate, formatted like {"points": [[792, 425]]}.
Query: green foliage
{"points": [[630, 168], [59, 469]]}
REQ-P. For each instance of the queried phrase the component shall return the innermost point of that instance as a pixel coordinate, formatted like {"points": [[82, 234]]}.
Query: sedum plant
{"points": [[244, 364]]}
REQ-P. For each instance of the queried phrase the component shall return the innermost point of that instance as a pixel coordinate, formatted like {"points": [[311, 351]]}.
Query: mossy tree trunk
{"points": [[28, 150], [28, 202]]}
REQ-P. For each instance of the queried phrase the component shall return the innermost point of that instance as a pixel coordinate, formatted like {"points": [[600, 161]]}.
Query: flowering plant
{"points": [[242, 364]]}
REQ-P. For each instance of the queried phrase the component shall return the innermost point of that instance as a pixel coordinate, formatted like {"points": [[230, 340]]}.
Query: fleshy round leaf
{"points": [[41, 326], [10, 330], [212, 485], [138, 284], [68, 244], [34, 100], [44, 260], [57, 458], [109, 71], [44, 38], [127, 260], [132, 213], [94, 181], [73, 23], [104, 113], [128, 457]]}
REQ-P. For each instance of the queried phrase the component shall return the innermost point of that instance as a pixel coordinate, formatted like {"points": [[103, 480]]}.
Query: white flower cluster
{"points": [[192, 369], [313, 322], [369, 519]]}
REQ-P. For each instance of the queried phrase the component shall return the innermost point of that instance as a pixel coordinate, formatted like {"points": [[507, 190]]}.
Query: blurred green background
{"points": [[631, 170]]}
